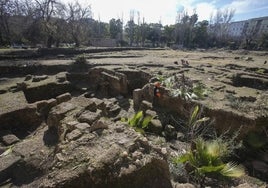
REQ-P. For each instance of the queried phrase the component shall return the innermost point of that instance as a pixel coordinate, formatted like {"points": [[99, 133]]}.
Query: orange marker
{"points": [[156, 89]]}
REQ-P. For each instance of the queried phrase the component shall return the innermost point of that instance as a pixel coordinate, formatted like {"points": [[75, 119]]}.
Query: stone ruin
{"points": [[67, 134], [66, 130]]}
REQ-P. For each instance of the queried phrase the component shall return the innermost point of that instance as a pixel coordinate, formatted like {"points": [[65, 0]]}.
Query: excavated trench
{"points": [[96, 82], [247, 80], [253, 77], [45, 92]]}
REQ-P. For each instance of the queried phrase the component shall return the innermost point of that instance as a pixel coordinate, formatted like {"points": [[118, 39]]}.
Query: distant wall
{"points": [[102, 42]]}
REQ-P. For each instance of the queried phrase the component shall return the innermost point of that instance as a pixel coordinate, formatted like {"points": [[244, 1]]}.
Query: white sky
{"points": [[166, 10]]}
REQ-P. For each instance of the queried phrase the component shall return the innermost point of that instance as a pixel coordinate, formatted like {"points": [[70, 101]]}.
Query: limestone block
{"points": [[63, 98]]}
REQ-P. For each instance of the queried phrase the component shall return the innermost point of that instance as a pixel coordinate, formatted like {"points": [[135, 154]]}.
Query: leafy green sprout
{"points": [[260, 71], [139, 121]]}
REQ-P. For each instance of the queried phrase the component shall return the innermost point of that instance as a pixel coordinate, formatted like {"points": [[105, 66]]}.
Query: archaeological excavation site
{"points": [[133, 118]]}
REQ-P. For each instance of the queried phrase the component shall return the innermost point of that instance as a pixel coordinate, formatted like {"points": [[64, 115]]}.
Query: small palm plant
{"points": [[205, 159]]}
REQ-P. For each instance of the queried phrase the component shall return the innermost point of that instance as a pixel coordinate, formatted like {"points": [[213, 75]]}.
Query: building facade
{"points": [[255, 27], [236, 29]]}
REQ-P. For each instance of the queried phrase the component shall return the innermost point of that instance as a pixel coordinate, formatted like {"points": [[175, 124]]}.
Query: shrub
{"points": [[179, 85], [81, 59]]}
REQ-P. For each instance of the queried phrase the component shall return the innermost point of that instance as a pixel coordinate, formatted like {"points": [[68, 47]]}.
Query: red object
{"points": [[157, 84], [156, 89], [158, 94]]}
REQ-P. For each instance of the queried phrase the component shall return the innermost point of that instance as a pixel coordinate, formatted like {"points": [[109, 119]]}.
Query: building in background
{"points": [[255, 27], [236, 29]]}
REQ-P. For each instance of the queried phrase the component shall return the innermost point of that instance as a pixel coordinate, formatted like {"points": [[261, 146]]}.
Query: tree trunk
{"points": [[77, 43], [49, 41]]}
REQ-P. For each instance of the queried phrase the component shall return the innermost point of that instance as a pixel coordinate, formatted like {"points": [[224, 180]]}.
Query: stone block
{"points": [[155, 126], [9, 139], [63, 98], [100, 124], [137, 98], [75, 134], [145, 105], [89, 117]]}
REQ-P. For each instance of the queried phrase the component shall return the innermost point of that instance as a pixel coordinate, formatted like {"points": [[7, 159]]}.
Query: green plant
{"points": [[195, 119], [169, 82], [179, 85], [81, 59], [195, 126], [260, 71], [139, 121], [205, 159], [237, 103], [160, 78], [183, 93], [200, 90]]}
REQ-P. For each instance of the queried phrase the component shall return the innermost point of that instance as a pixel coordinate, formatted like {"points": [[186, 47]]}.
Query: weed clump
{"points": [[180, 85], [81, 60]]}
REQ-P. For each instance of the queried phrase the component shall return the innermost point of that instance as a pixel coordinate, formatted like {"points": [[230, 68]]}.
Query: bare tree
{"points": [[115, 29], [5, 14], [77, 21], [130, 27], [220, 23], [41, 21], [138, 30], [143, 31], [47, 12], [252, 34], [184, 28]]}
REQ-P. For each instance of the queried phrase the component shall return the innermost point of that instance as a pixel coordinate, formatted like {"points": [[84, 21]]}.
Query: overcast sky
{"points": [[166, 10]]}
